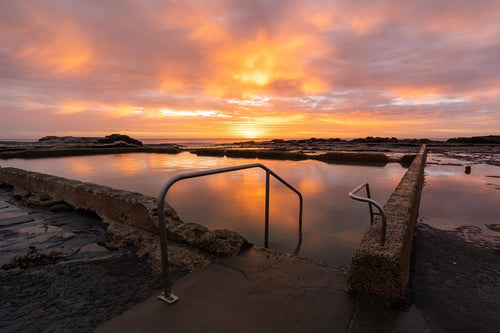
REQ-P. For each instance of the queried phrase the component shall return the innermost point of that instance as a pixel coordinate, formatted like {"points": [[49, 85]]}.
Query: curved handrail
{"points": [[370, 203], [167, 282]]}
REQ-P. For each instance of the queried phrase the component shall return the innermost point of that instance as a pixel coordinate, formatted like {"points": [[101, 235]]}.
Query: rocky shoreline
{"points": [[370, 150], [53, 146]]}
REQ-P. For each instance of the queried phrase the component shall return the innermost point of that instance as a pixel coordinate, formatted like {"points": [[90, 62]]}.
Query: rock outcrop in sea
{"points": [[115, 139]]}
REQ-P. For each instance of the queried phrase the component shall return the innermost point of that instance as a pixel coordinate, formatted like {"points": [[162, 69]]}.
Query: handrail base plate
{"points": [[169, 300]]}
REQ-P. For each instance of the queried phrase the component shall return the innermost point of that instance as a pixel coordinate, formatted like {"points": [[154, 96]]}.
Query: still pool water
{"points": [[468, 203], [333, 224]]}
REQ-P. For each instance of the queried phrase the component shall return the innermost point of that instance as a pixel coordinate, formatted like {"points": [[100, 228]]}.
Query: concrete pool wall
{"points": [[381, 273]]}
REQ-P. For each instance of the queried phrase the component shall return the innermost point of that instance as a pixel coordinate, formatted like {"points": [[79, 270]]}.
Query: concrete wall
{"points": [[129, 208], [353, 158], [62, 152], [381, 273]]}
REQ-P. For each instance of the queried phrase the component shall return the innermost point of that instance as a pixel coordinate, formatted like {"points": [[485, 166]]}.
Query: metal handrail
{"points": [[167, 295], [370, 203]]}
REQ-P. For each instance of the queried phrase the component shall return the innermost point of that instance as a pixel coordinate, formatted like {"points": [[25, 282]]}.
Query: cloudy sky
{"points": [[250, 69]]}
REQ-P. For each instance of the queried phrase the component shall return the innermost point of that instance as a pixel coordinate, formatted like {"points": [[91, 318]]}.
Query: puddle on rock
{"points": [[462, 196]]}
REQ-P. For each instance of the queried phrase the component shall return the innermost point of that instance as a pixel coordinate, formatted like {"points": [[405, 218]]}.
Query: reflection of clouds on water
{"points": [[311, 186], [81, 168], [465, 203], [495, 185], [333, 224]]}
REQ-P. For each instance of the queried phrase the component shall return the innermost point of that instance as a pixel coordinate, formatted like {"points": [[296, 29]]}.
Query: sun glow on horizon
{"points": [[246, 131], [249, 69]]}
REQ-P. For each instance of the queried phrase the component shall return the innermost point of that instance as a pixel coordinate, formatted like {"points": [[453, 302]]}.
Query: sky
{"points": [[250, 69]]}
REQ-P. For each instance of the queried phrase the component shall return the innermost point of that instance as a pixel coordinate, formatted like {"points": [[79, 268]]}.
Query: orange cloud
{"points": [[121, 110], [71, 107], [64, 51], [415, 92], [246, 68]]}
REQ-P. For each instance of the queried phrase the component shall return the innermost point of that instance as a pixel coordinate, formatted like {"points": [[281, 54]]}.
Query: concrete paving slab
{"points": [[263, 291], [248, 292]]}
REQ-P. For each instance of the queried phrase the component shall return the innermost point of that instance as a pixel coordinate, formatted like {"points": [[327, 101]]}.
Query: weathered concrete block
{"points": [[122, 206], [381, 273], [220, 242]]}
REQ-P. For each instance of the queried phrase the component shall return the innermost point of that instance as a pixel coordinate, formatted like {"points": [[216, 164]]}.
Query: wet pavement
{"points": [[73, 282], [264, 291]]}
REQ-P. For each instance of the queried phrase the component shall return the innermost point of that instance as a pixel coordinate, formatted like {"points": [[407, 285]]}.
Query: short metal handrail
{"points": [[370, 203], [167, 295]]}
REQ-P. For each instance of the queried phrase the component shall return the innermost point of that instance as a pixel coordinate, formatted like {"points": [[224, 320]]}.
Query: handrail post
{"points": [[167, 295], [266, 222], [370, 203], [301, 204]]}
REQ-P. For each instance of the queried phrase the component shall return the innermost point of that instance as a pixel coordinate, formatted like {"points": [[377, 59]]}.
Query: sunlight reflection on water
{"points": [[332, 223]]}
